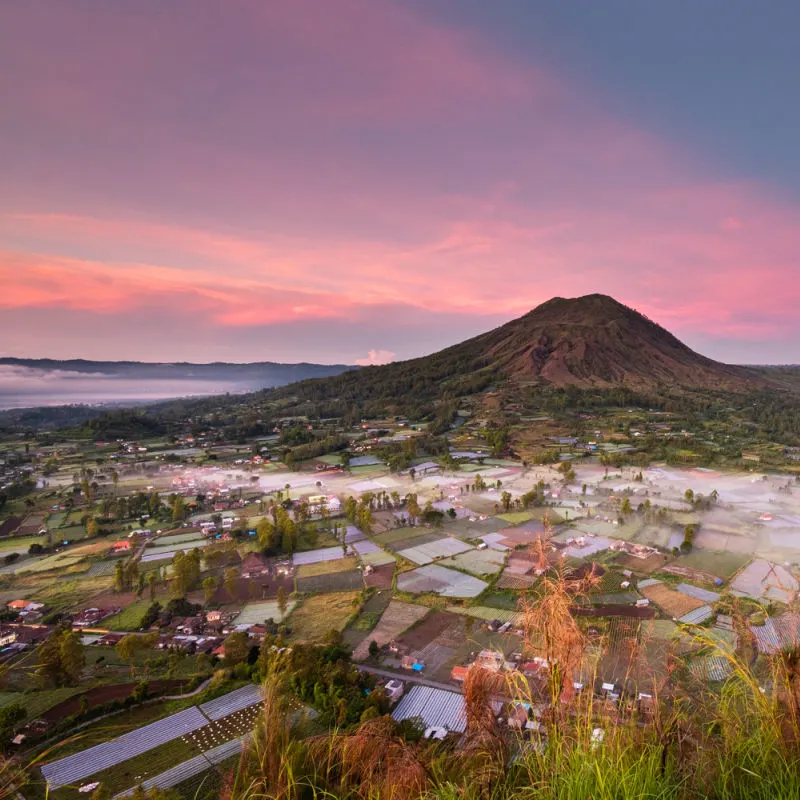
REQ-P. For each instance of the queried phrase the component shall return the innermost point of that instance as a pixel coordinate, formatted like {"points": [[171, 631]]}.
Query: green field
{"points": [[21, 542], [515, 517], [400, 534], [722, 564], [128, 619], [64, 594]]}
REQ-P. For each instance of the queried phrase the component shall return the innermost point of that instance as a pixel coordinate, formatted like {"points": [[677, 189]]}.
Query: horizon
{"points": [[375, 182]]}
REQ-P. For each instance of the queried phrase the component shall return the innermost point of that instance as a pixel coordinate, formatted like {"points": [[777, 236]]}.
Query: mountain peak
{"points": [[595, 340]]}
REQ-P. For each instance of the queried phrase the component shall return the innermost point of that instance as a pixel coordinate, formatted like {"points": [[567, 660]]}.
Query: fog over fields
{"points": [[29, 383]]}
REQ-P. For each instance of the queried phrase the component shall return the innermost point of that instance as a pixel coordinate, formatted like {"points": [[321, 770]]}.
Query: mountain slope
{"points": [[597, 341], [590, 341]]}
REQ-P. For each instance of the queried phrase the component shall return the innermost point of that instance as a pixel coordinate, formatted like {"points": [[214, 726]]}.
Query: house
{"points": [[122, 546], [213, 616], [489, 659], [394, 689], [7, 636], [254, 565], [19, 605], [459, 674]]}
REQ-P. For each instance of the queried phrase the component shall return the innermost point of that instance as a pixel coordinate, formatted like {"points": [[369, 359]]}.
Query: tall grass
{"points": [[740, 740]]}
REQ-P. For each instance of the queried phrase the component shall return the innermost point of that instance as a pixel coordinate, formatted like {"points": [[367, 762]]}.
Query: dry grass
{"points": [[320, 614], [327, 567]]}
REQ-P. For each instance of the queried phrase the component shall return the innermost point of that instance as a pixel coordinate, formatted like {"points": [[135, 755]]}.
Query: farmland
{"points": [[318, 615]]}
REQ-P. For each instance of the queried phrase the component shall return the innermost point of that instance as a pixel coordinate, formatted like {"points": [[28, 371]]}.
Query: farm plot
{"points": [[169, 550], [330, 582], [10, 525], [58, 561], [441, 581], [381, 576], [488, 614], [183, 539], [64, 594], [397, 618], [722, 564], [20, 543], [400, 535], [102, 756], [318, 556], [191, 768], [515, 517], [256, 613], [320, 614], [101, 569], [478, 562], [763, 580], [326, 567], [672, 603], [372, 554], [431, 551]]}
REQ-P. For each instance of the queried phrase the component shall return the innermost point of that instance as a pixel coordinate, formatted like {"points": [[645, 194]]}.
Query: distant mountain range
{"points": [[34, 382]]}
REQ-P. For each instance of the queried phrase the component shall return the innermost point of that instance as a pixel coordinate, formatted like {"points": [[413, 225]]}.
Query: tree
{"points": [[374, 650], [10, 715], [506, 499], [231, 582], [119, 577], [61, 659], [625, 508], [178, 509], [92, 528], [412, 506], [283, 602], [209, 585], [237, 646], [689, 496], [152, 582], [131, 644]]}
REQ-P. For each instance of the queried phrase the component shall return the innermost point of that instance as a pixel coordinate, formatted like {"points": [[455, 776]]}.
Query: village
{"points": [[173, 572]]}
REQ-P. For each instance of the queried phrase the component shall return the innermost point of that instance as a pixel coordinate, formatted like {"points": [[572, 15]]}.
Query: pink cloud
{"points": [[375, 357], [359, 156]]}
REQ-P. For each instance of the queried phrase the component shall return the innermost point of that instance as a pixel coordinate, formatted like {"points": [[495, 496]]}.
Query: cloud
{"points": [[357, 159], [375, 357]]}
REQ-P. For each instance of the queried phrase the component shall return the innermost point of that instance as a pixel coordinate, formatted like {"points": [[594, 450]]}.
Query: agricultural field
{"points": [[257, 613], [478, 562], [318, 615], [330, 582], [427, 552], [671, 602], [129, 618], [20, 543], [327, 567], [724, 565], [66, 594], [396, 619], [441, 581]]}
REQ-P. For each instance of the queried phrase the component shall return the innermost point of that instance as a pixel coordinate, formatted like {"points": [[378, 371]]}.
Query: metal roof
{"points": [[697, 616], [102, 756], [436, 707], [695, 591], [777, 633]]}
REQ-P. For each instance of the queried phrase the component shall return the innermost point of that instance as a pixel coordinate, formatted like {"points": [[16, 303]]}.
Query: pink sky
{"points": [[349, 181]]}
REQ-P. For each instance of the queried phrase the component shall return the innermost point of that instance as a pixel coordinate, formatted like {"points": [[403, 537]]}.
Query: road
{"points": [[411, 677]]}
